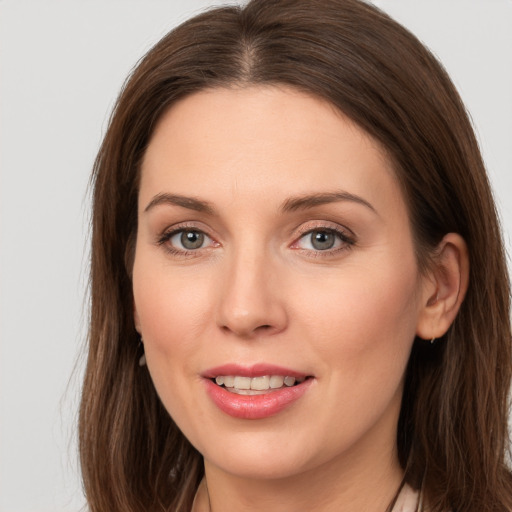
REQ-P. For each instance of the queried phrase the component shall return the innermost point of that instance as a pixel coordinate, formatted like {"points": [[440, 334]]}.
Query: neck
{"points": [[339, 485]]}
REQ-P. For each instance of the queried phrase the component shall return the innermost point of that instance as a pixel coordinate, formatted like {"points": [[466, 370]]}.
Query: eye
{"points": [[184, 240], [188, 239], [324, 239], [321, 240]]}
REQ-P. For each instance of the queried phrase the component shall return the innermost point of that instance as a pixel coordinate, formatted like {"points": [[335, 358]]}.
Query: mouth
{"points": [[255, 392], [242, 385]]}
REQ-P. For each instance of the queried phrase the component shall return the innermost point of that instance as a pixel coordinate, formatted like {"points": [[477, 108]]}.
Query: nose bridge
{"points": [[249, 301]]}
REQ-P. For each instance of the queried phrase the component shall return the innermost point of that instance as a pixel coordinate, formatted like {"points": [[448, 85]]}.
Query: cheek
{"points": [[362, 333], [170, 305], [171, 313], [365, 318]]}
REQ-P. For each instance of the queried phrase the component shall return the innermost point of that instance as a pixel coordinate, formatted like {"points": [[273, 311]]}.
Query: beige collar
{"points": [[407, 501]]}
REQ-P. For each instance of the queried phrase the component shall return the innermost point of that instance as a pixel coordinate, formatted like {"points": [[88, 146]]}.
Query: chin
{"points": [[257, 467], [261, 456]]}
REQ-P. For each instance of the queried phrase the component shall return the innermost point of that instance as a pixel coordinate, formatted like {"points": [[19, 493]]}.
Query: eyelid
{"points": [[170, 231], [319, 225], [345, 235]]}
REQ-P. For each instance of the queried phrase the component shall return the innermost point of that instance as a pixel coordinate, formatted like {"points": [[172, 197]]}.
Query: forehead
{"points": [[240, 144]]}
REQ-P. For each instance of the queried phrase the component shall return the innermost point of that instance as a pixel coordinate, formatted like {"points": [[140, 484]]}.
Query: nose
{"points": [[251, 297]]}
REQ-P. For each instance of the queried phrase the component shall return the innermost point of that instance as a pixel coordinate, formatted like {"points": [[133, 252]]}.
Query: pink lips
{"points": [[254, 406]]}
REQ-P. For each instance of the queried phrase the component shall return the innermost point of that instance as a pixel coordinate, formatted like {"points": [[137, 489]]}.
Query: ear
{"points": [[444, 287]]}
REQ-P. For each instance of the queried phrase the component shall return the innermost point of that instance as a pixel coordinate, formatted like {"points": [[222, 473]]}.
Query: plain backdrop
{"points": [[61, 66]]}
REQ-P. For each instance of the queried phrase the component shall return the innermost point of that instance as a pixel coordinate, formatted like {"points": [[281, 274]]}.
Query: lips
{"points": [[254, 392]]}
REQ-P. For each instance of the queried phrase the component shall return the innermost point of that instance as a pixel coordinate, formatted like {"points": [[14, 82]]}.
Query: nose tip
{"points": [[250, 303], [252, 323], [244, 323]]}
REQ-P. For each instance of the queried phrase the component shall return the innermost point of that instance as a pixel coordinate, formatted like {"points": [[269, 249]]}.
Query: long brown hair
{"points": [[452, 436]]}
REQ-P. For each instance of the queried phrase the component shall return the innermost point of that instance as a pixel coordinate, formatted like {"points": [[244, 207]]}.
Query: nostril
{"points": [[264, 328], [260, 330]]}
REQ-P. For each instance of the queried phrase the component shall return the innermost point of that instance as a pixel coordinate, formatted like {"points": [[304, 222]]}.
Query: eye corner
{"points": [[185, 240], [330, 239]]}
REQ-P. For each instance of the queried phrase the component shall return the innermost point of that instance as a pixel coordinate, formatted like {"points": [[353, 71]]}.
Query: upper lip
{"points": [[254, 370]]}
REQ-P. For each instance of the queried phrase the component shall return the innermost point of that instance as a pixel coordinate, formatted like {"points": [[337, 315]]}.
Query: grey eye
{"points": [[322, 240], [192, 239], [188, 239]]}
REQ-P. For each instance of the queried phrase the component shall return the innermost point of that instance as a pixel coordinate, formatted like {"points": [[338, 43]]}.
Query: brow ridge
{"points": [[190, 203], [311, 200], [290, 205]]}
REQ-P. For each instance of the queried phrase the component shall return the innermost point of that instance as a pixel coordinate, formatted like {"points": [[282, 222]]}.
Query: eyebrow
{"points": [[290, 205], [191, 203], [312, 200]]}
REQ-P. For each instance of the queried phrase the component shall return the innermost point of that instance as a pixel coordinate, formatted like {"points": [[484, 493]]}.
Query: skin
{"points": [[258, 290]]}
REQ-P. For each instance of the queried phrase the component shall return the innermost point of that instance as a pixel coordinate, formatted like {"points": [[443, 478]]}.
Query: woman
{"points": [[299, 292]]}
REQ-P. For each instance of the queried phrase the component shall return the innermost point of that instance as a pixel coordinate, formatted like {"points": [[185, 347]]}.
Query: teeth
{"points": [[276, 381], [248, 391], [289, 381], [242, 383], [245, 385], [260, 382], [229, 381]]}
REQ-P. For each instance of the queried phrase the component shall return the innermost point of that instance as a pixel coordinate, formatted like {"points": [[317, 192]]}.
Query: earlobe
{"points": [[446, 288]]}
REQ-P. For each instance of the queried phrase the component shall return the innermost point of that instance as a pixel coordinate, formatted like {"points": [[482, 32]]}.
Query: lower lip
{"points": [[255, 407]]}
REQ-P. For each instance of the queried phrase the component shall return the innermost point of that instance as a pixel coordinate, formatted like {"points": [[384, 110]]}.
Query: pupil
{"points": [[322, 240], [192, 239]]}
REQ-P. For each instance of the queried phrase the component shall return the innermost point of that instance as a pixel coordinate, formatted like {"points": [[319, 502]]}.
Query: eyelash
{"points": [[168, 235], [346, 240]]}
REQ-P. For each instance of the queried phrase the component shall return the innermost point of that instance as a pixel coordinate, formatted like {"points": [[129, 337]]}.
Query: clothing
{"points": [[408, 500]]}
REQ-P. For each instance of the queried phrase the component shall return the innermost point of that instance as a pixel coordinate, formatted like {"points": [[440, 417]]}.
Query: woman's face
{"points": [[274, 244]]}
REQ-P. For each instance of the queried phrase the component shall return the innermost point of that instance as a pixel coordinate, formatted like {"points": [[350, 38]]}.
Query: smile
{"points": [[255, 392], [256, 385]]}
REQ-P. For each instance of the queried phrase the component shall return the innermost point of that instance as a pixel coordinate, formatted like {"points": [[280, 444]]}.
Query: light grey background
{"points": [[61, 66]]}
